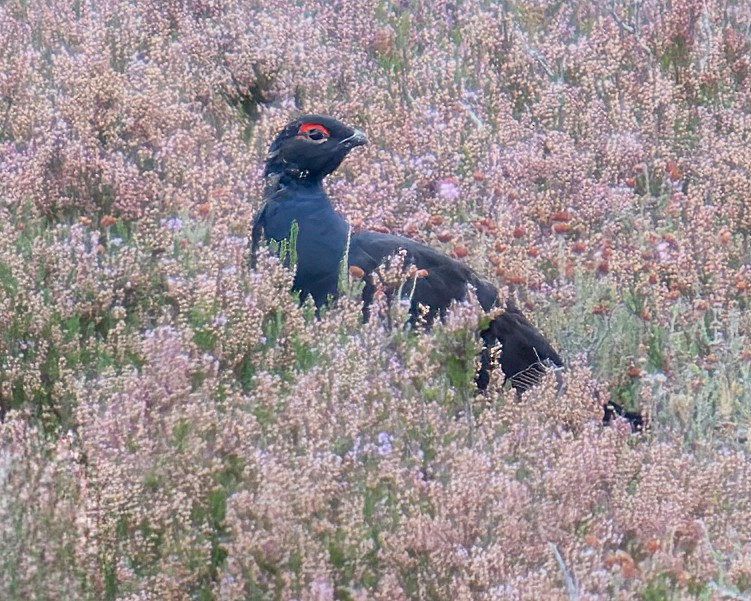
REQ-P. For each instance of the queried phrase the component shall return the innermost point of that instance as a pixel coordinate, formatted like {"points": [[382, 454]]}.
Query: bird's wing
{"points": [[367, 250], [446, 280], [525, 353]]}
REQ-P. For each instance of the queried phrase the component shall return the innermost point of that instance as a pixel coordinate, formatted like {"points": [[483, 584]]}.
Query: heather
{"points": [[176, 426]]}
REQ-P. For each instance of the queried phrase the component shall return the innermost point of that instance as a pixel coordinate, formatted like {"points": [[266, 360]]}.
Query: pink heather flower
{"points": [[448, 189], [321, 590], [384, 443]]}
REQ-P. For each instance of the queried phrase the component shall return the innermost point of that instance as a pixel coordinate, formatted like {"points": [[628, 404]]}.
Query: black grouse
{"points": [[301, 156]]}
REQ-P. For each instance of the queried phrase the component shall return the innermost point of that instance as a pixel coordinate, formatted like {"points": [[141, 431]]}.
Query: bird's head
{"points": [[311, 147]]}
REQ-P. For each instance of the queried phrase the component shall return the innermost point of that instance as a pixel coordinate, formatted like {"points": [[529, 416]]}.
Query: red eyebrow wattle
{"points": [[306, 127]]}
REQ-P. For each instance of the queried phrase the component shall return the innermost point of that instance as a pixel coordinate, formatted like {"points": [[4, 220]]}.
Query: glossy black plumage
{"points": [[525, 352], [300, 157], [295, 167]]}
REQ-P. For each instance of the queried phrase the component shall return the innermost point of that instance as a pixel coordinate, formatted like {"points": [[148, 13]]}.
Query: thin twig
{"points": [[472, 115], [630, 29], [571, 587], [533, 52]]}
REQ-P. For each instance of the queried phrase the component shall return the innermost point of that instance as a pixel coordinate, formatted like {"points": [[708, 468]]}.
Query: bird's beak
{"points": [[358, 138]]}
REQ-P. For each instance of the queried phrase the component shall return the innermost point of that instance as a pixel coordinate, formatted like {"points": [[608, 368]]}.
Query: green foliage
{"points": [[286, 250]]}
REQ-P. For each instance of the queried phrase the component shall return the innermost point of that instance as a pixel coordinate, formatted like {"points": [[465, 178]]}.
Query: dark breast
{"points": [[321, 238]]}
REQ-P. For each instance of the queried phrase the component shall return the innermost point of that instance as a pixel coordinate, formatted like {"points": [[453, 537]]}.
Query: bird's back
{"points": [[446, 279]]}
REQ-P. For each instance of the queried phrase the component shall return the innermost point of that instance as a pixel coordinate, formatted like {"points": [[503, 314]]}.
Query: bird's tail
{"points": [[525, 356]]}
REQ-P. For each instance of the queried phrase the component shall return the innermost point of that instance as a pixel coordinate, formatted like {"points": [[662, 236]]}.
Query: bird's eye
{"points": [[314, 132]]}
